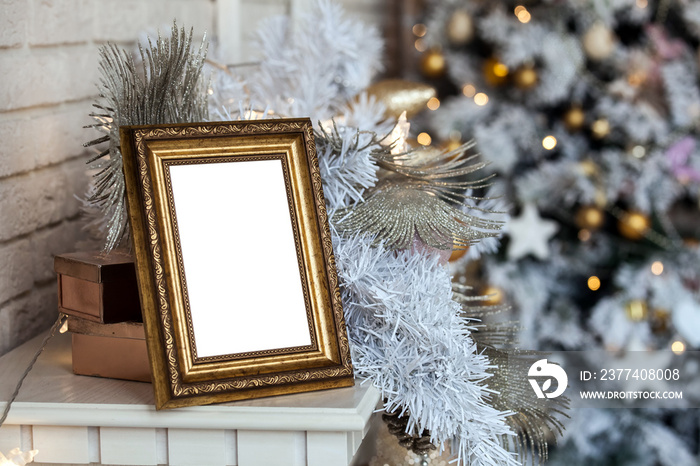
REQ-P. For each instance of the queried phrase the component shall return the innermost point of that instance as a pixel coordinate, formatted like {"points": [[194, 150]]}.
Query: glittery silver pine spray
{"points": [[166, 86]]}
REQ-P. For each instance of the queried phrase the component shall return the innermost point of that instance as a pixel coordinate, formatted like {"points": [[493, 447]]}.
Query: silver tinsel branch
{"points": [[165, 87]]}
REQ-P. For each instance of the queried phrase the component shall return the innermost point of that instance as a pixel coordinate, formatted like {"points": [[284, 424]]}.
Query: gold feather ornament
{"points": [[533, 419], [422, 193]]}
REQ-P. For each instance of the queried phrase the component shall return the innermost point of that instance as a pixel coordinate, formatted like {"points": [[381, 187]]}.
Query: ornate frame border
{"points": [[179, 377]]}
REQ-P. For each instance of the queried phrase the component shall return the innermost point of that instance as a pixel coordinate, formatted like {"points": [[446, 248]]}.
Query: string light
{"points": [[593, 282], [17, 457], [584, 235], [481, 99], [424, 139], [434, 103], [522, 14], [469, 90], [398, 135], [678, 347], [420, 45], [657, 268], [419, 29], [642, 3], [600, 128], [639, 151], [636, 79], [549, 142]]}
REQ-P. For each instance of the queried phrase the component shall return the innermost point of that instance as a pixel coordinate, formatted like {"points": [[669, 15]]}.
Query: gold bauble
{"points": [[495, 72], [600, 128], [574, 118], [637, 310], [457, 254], [399, 95], [588, 167], [598, 42], [495, 295], [525, 77], [453, 144], [590, 217], [633, 225], [460, 28], [433, 64]]}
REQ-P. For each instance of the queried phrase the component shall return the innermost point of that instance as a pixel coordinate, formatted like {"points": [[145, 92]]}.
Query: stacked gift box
{"points": [[99, 294]]}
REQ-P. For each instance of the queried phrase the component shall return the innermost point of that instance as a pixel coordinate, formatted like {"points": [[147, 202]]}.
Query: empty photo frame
{"points": [[237, 279]]}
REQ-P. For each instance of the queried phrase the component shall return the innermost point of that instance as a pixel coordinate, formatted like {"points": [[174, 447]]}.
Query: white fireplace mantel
{"points": [[74, 419]]}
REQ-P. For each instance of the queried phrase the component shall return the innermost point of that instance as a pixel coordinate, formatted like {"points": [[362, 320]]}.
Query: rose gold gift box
{"points": [[97, 287], [100, 295], [116, 351]]}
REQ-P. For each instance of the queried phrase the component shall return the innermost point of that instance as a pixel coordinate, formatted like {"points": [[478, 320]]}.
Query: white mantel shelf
{"points": [[74, 419]]}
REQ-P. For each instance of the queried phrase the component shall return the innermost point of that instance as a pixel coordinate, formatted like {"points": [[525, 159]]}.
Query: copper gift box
{"points": [[98, 287], [100, 295], [116, 351]]}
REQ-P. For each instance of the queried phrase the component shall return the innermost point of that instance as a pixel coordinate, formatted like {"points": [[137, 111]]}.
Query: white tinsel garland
{"points": [[409, 339]]}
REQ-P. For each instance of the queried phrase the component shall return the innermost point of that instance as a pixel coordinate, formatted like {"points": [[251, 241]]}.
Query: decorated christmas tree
{"points": [[589, 113]]}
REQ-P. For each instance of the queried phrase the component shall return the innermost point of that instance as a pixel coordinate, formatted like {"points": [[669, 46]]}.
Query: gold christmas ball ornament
{"points": [[460, 28], [590, 217], [493, 295], [637, 310], [574, 118], [433, 64], [525, 77], [588, 167], [495, 72], [600, 128], [457, 254], [633, 225], [453, 144], [598, 42], [399, 95]]}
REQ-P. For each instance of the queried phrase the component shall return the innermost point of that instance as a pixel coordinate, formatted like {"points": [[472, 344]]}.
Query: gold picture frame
{"points": [[234, 259]]}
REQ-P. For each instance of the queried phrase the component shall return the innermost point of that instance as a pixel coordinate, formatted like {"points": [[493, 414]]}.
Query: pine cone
{"points": [[397, 427]]}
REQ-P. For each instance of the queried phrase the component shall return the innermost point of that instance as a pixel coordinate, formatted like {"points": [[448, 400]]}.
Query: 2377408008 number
{"points": [[639, 374]]}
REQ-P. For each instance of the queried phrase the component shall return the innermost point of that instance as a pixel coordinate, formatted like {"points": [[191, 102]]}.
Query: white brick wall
{"points": [[48, 70]]}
